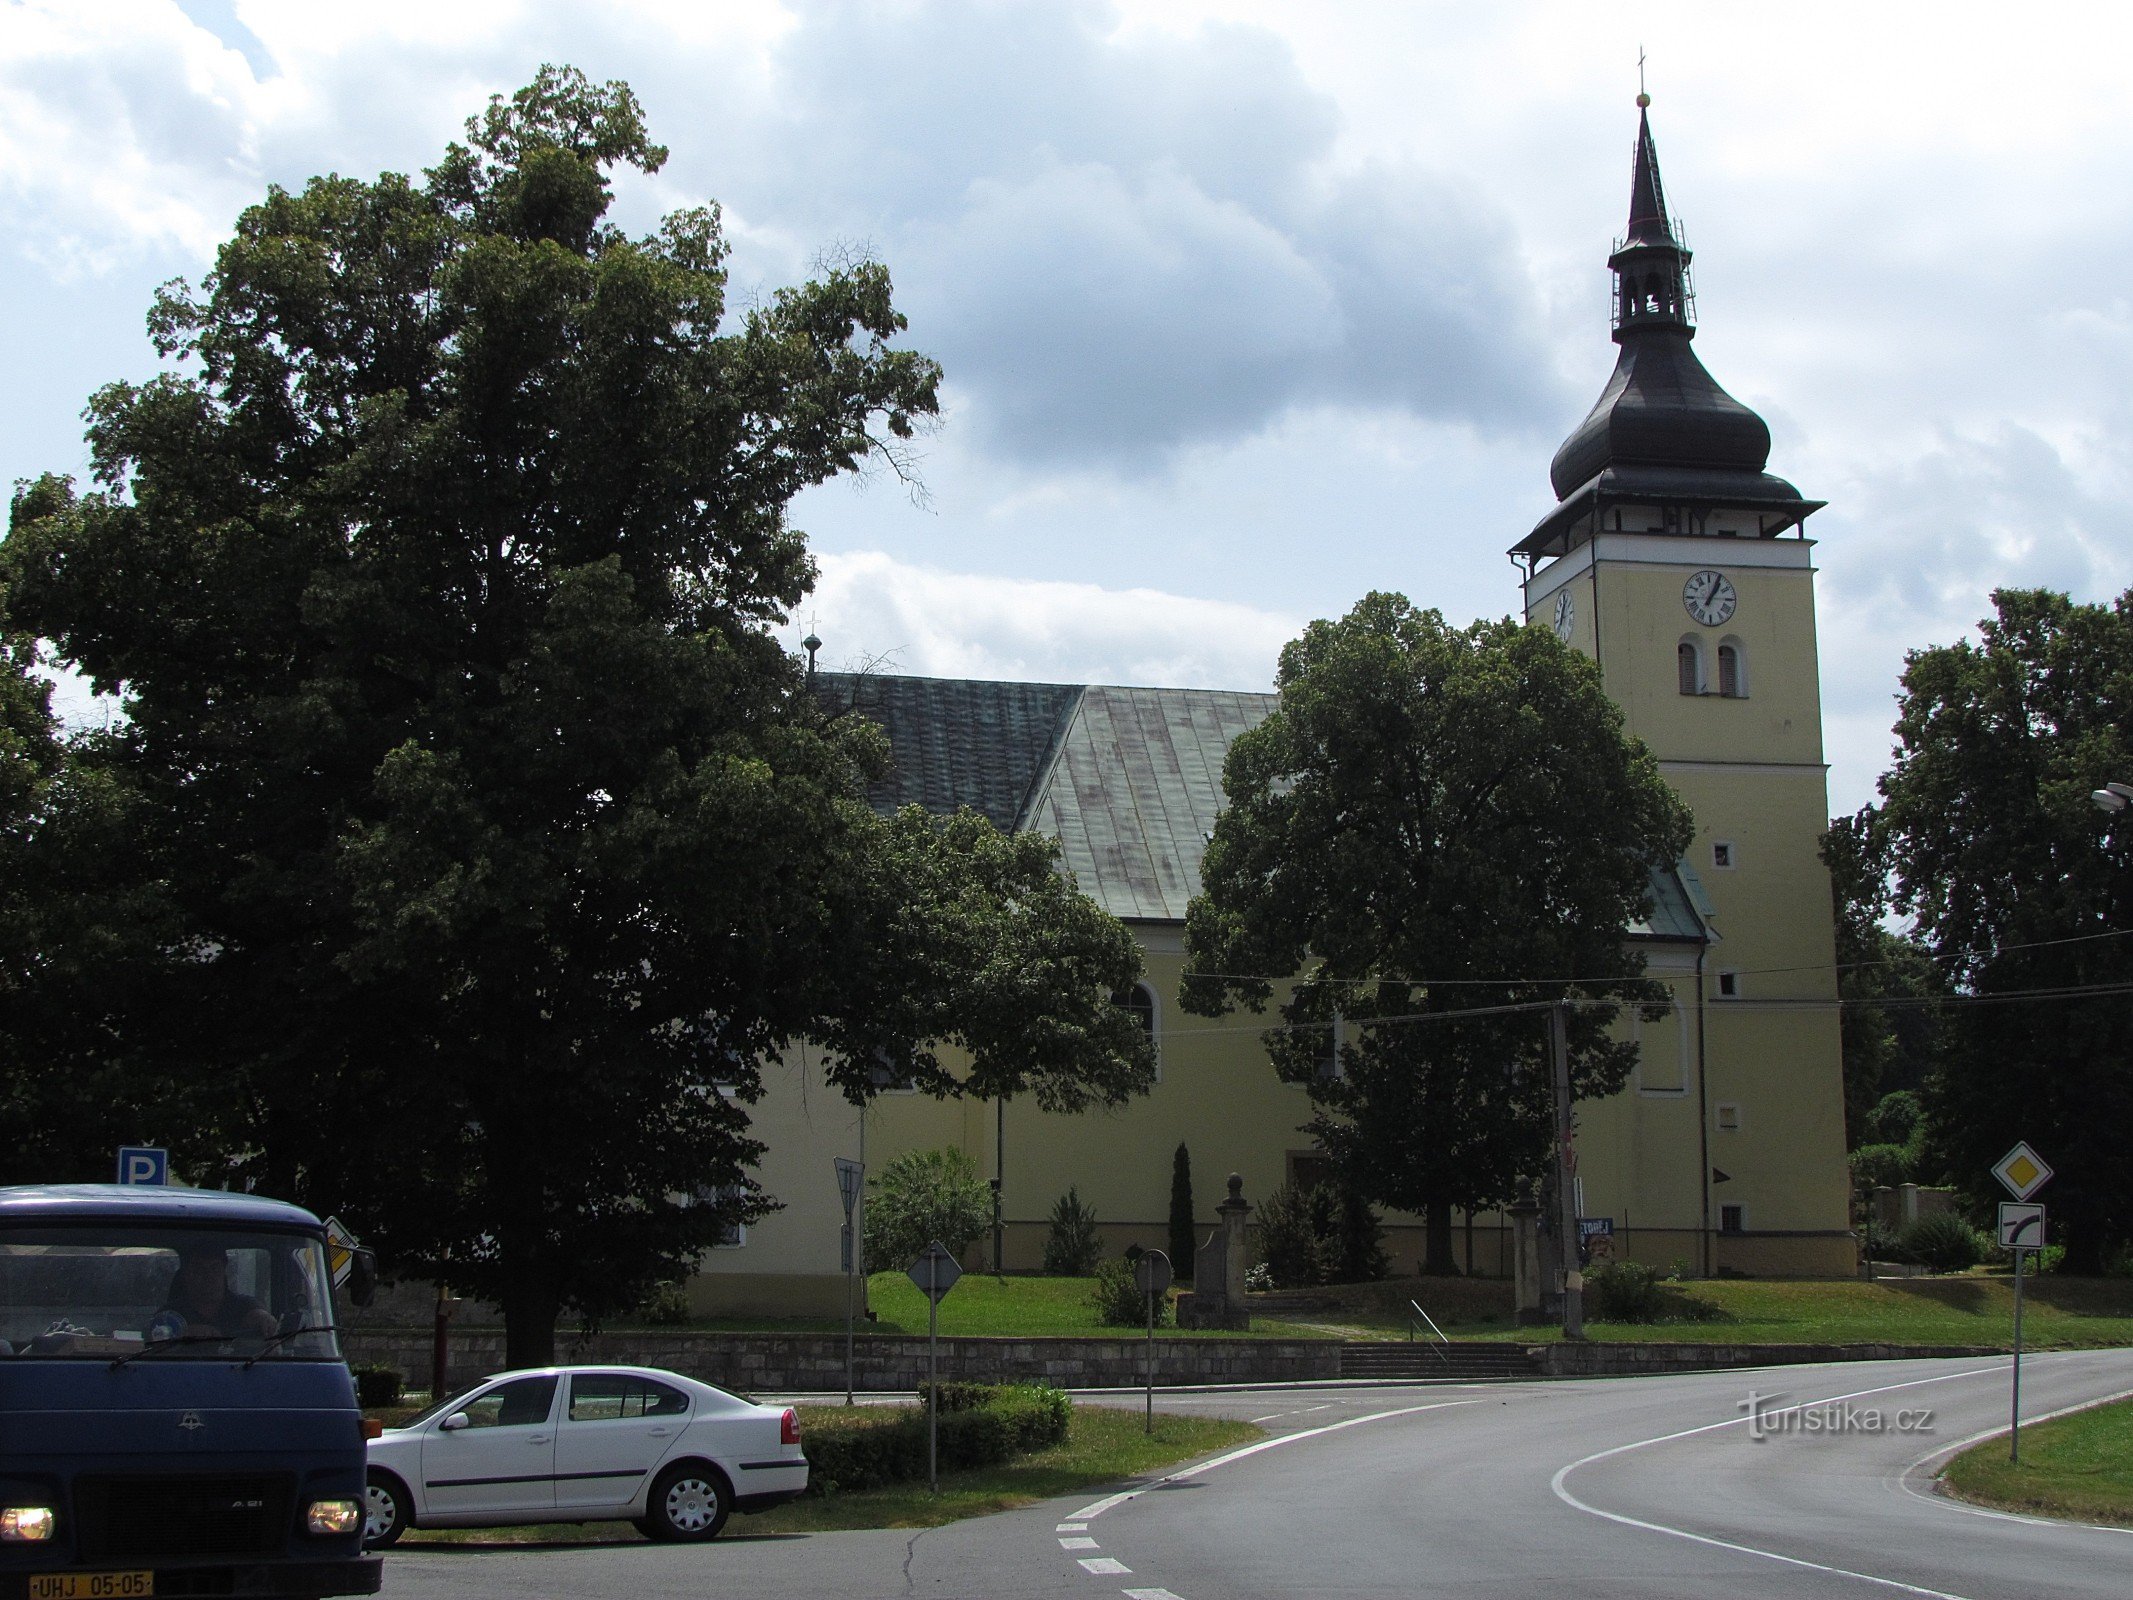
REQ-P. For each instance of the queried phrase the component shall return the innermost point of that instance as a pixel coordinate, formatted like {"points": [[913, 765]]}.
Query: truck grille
{"points": [[138, 1518]]}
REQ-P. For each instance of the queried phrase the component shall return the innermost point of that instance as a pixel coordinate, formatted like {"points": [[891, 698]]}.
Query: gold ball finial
{"points": [[1643, 101]]}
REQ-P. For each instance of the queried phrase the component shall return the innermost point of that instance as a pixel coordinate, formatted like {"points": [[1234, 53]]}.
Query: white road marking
{"points": [[1906, 1479], [1150, 1594], [1269, 1417], [1569, 1499], [1097, 1508], [1103, 1564], [1080, 1542], [1072, 1527]]}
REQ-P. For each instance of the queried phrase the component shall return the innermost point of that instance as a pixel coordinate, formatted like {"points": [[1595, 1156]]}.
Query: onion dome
{"points": [[1663, 437]]}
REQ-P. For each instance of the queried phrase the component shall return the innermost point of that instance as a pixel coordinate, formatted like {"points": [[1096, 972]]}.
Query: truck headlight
{"points": [[26, 1524], [332, 1516]]}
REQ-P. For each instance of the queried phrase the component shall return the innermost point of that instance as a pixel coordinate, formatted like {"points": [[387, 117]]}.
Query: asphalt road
{"points": [[1603, 1490]]}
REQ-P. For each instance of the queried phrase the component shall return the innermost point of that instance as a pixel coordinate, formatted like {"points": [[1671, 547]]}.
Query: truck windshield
{"points": [[117, 1289]]}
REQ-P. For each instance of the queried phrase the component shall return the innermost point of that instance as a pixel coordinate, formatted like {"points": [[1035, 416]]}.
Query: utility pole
{"points": [[1566, 1163]]}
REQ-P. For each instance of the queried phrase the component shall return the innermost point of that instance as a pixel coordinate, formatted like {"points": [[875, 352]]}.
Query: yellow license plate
{"points": [[91, 1585]]}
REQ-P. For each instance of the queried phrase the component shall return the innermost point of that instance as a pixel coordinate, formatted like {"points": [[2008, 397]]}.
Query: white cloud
{"points": [[871, 610]]}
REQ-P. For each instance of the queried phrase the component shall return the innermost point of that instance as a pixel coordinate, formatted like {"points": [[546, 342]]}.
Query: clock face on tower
{"points": [[1709, 597], [1566, 615]]}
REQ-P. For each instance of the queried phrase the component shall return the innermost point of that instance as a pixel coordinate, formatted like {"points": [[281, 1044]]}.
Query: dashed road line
{"points": [[1072, 1527], [1150, 1594], [1080, 1541], [1104, 1564]]}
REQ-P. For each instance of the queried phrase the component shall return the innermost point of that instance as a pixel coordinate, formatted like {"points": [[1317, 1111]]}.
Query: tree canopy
{"points": [[488, 840], [1434, 821], [2024, 892]]}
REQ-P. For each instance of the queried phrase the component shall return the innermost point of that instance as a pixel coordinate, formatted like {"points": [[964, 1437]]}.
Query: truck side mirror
{"points": [[363, 1277]]}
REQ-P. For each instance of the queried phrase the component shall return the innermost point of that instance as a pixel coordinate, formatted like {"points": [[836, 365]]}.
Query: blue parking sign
{"points": [[143, 1163]]}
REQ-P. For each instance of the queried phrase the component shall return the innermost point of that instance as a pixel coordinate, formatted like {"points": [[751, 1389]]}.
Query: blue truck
{"points": [[176, 1418]]}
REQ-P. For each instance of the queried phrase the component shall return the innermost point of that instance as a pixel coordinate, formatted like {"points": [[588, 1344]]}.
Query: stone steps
{"points": [[1419, 1362]]}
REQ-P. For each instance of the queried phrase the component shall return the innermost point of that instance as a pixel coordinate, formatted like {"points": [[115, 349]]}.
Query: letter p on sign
{"points": [[143, 1164]]}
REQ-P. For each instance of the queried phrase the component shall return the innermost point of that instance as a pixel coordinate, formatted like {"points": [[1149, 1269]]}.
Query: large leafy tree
{"points": [[1434, 821], [499, 842], [1891, 986], [2025, 893]]}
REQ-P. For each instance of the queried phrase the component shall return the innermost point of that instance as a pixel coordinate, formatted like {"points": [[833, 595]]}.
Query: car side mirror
{"points": [[363, 1277], [454, 1422]]}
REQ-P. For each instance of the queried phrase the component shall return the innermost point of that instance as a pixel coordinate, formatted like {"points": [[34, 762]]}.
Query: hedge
{"points": [[980, 1426]]}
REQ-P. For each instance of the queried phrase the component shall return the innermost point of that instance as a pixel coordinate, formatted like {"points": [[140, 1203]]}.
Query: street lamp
{"points": [[2112, 797]]}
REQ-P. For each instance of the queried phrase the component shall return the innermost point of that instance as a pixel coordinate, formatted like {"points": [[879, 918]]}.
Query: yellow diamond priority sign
{"points": [[2022, 1172]]}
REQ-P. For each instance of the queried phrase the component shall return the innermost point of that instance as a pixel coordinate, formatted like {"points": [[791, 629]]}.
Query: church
{"points": [[1682, 567]]}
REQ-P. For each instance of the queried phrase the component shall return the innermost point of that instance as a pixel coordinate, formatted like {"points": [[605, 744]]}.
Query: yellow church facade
{"points": [[1682, 567]]}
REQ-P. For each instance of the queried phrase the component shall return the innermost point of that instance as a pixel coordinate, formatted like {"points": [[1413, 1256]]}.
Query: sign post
{"points": [[143, 1164], [2022, 1172], [934, 1272], [849, 1176], [1151, 1275]]}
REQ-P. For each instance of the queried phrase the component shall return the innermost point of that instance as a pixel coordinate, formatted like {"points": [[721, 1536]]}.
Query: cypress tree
{"points": [[1181, 1214]]}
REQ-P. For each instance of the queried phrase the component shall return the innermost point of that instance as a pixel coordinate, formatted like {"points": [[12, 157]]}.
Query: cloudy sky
{"points": [[1246, 308]]}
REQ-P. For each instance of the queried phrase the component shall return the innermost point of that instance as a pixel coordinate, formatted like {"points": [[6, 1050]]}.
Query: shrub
{"points": [[1072, 1245], [666, 1307], [1181, 1228], [1942, 1242], [1292, 1222], [1629, 1291], [921, 1196], [1119, 1301], [979, 1425], [1259, 1279], [1358, 1243], [377, 1386], [1323, 1234]]}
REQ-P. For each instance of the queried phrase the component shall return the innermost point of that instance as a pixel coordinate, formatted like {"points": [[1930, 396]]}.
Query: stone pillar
{"points": [[1526, 1276], [1235, 1246], [1906, 1204]]}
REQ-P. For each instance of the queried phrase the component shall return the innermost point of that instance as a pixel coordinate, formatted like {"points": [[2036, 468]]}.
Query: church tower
{"points": [[1683, 568]]}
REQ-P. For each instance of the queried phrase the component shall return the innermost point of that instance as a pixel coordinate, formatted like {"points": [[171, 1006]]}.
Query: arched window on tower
{"points": [[1688, 662], [1651, 294], [1732, 670]]}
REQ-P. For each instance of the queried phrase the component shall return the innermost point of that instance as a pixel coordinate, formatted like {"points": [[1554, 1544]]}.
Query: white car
{"points": [[584, 1444]]}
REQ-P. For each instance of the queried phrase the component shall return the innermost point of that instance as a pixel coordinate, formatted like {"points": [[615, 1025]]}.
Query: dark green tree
{"points": [[1181, 1228], [2024, 891], [1434, 821], [499, 841], [1891, 986]]}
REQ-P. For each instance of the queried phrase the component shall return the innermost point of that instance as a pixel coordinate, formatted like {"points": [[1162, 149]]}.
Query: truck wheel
{"points": [[689, 1502], [384, 1511]]}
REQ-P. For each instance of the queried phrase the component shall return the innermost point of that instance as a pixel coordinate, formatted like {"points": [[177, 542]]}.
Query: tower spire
{"points": [[1664, 445]]}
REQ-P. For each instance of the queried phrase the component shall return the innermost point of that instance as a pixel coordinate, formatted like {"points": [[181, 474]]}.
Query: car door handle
{"points": [[658, 1433], [537, 1438]]}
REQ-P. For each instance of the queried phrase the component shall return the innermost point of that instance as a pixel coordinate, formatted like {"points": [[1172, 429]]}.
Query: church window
{"points": [[1732, 679], [1722, 856], [1688, 663], [1732, 1219], [1331, 1069], [1729, 985], [1140, 1001]]}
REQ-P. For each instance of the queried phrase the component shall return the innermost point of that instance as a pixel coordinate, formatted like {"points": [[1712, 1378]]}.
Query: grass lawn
{"points": [[2059, 1313], [2079, 1466], [1104, 1445], [980, 1305]]}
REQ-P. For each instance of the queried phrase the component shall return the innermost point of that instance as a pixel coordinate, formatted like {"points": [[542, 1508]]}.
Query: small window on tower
{"points": [[1721, 855], [1730, 683], [1732, 1219], [1688, 663], [1729, 986]]}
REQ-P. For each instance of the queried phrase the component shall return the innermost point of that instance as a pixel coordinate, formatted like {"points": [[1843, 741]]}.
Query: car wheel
{"points": [[688, 1502], [384, 1511]]}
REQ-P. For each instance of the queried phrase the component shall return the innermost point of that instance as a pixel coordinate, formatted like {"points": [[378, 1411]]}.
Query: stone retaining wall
{"points": [[883, 1363], [1624, 1360]]}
